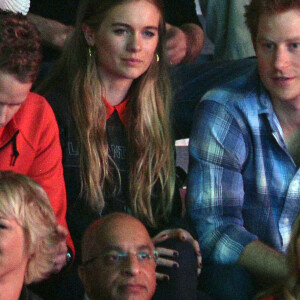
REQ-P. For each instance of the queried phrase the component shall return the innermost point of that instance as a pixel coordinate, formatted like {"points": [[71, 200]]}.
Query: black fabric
{"points": [[117, 201], [61, 11], [179, 12], [227, 282], [183, 281], [26, 294]]}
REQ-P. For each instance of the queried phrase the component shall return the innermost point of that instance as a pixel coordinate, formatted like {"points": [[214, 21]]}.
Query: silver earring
{"points": [[157, 57]]}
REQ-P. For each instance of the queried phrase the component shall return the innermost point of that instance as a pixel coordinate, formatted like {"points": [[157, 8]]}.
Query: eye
{"points": [[148, 33], [2, 226], [142, 256], [268, 46], [111, 258], [294, 46], [121, 31]]}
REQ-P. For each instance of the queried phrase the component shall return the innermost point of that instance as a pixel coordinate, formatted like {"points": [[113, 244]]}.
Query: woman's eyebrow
{"points": [[116, 24]]}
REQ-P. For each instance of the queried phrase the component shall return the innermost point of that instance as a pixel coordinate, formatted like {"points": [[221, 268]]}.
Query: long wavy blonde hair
{"points": [[151, 155]]}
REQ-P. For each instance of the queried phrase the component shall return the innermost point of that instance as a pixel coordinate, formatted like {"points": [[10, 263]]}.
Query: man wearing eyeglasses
{"points": [[118, 259]]}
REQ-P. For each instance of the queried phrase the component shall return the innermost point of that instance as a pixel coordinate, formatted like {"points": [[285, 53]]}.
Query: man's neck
{"points": [[288, 114]]}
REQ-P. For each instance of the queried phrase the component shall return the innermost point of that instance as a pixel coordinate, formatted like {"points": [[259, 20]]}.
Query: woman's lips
{"points": [[132, 61]]}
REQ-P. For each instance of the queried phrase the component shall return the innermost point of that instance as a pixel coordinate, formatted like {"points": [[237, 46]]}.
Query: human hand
{"points": [[176, 44], [53, 33], [167, 262], [58, 35], [61, 256]]}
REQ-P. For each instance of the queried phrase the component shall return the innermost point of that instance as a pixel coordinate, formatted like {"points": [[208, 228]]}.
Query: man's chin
{"points": [[133, 292]]}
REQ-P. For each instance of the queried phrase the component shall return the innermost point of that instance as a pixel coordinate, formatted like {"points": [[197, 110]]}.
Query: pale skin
{"points": [[277, 47], [13, 258], [130, 30]]}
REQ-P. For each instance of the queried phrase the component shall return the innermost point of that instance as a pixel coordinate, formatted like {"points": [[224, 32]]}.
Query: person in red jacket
{"points": [[29, 137]]}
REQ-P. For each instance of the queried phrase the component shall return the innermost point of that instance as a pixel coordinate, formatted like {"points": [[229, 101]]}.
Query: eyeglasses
{"points": [[115, 258]]}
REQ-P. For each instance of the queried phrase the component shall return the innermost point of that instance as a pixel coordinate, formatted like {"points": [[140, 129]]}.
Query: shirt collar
{"points": [[120, 108]]}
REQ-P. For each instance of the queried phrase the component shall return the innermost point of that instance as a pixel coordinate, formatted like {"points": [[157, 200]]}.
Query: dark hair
{"points": [[259, 7], [20, 46]]}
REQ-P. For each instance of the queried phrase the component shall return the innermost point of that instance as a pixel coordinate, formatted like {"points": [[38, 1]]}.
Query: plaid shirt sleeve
{"points": [[218, 150]]}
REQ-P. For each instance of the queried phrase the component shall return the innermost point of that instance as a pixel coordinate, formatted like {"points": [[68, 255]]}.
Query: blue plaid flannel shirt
{"points": [[243, 185]]}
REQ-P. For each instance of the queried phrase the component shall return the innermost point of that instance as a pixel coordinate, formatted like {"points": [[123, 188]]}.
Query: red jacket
{"points": [[29, 144]]}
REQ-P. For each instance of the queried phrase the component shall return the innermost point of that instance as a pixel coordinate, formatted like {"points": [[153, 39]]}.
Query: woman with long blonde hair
{"points": [[111, 96]]}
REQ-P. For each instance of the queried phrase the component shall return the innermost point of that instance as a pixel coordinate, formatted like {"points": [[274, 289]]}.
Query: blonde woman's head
{"points": [[25, 203]]}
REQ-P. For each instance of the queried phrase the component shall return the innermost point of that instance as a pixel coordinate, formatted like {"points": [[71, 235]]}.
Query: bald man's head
{"points": [[118, 259]]}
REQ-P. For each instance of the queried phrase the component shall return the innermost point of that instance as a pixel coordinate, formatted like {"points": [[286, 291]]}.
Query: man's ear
{"points": [[89, 34]]}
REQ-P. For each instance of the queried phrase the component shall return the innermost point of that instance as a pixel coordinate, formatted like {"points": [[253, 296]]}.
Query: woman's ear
{"points": [[89, 35]]}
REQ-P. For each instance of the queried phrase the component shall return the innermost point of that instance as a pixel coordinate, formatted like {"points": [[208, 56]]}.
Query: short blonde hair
{"points": [[26, 201]]}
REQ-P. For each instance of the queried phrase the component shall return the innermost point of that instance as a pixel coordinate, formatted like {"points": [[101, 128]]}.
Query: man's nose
{"points": [[281, 58], [132, 265]]}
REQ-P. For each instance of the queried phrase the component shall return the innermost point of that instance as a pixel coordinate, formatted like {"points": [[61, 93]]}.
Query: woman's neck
{"points": [[11, 290], [116, 89], [115, 96]]}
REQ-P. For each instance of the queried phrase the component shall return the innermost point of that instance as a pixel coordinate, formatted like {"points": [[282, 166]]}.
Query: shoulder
{"points": [[35, 119], [34, 108], [241, 93]]}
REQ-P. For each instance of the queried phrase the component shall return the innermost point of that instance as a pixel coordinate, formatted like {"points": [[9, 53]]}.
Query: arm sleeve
{"points": [[47, 168], [179, 12], [215, 184]]}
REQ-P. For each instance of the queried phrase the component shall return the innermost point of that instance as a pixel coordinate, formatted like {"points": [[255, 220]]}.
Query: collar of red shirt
{"points": [[120, 108]]}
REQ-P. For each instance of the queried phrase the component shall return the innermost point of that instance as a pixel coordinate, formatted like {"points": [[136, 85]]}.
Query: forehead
{"points": [[12, 91], [126, 234], [136, 13], [282, 25]]}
